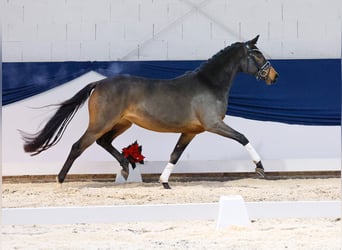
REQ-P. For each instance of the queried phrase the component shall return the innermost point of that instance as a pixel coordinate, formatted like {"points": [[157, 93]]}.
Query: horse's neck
{"points": [[220, 77], [222, 68]]}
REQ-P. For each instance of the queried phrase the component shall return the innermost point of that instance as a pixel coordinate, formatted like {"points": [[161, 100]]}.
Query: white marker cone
{"points": [[232, 212], [134, 175]]}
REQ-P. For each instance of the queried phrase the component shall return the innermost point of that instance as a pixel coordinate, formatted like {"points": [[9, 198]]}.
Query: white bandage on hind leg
{"points": [[255, 156], [164, 178]]}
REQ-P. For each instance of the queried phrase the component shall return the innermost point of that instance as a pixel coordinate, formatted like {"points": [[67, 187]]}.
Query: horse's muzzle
{"points": [[272, 76]]}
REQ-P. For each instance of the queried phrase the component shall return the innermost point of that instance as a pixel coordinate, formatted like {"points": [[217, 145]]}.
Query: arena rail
{"points": [[182, 167], [166, 212]]}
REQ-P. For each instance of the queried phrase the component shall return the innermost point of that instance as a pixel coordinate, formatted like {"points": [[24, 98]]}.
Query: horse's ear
{"points": [[254, 41]]}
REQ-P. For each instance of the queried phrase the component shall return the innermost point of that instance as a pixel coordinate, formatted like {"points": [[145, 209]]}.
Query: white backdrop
{"points": [[283, 147]]}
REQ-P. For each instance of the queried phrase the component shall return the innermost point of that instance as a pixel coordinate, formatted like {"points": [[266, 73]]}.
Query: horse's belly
{"points": [[170, 124]]}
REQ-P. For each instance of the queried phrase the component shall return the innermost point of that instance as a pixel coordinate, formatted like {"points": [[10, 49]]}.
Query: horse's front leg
{"points": [[182, 143], [256, 159], [223, 129]]}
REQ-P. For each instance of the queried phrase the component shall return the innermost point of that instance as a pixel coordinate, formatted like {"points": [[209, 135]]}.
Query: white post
{"points": [[232, 212], [134, 175]]}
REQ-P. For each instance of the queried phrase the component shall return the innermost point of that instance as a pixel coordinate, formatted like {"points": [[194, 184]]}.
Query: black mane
{"points": [[211, 69], [223, 53]]}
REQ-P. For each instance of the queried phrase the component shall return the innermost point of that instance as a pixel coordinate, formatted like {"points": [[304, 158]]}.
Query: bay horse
{"points": [[189, 104]]}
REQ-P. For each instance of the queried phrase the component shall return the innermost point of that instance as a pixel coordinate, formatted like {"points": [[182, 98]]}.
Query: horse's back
{"points": [[159, 105]]}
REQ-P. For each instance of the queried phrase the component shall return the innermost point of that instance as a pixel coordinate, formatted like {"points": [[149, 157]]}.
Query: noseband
{"points": [[264, 70]]}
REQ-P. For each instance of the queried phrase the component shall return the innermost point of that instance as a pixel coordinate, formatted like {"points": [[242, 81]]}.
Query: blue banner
{"points": [[308, 91]]}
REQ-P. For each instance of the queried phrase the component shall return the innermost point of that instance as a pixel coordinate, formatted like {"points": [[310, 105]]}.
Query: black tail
{"points": [[55, 127]]}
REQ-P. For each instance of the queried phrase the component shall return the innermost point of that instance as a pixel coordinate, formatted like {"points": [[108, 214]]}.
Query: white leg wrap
{"points": [[164, 178], [255, 156]]}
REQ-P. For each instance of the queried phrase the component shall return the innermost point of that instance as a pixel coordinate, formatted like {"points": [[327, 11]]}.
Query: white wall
{"points": [[83, 30]]}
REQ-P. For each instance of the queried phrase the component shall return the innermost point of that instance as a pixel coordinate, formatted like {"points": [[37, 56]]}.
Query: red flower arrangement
{"points": [[133, 154]]}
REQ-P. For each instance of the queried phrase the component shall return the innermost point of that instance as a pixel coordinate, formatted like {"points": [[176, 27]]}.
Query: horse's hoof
{"points": [[59, 180], [166, 185], [260, 172], [125, 174], [59, 183]]}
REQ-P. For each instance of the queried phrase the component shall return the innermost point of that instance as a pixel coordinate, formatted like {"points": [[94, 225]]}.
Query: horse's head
{"points": [[257, 65]]}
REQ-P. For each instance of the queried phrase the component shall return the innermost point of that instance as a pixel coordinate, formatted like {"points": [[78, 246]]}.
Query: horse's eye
{"points": [[258, 55]]}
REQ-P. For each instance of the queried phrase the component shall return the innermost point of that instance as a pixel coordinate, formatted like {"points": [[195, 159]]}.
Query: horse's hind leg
{"points": [[76, 150], [182, 143], [106, 140]]}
